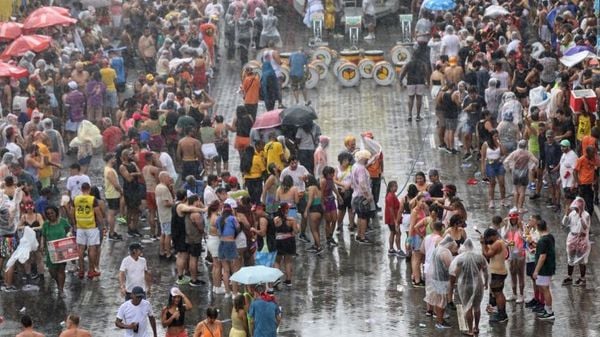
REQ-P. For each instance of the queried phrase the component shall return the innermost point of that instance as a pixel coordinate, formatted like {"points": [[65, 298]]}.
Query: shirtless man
{"points": [[150, 173], [28, 331], [73, 329], [79, 75], [543, 30], [454, 73], [189, 151]]}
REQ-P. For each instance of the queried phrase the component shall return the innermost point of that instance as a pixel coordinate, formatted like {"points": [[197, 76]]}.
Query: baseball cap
{"points": [[135, 245], [175, 291], [232, 181], [565, 143], [138, 291]]}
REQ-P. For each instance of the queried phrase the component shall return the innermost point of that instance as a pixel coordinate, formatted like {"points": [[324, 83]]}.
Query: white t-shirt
{"points": [[209, 195], [567, 165], [167, 162], [135, 272], [296, 175], [450, 45], [15, 149], [74, 184], [164, 212], [130, 313]]}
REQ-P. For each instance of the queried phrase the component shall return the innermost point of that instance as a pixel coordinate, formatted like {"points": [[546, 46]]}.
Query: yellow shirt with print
{"points": [[273, 151], [85, 217], [109, 76]]}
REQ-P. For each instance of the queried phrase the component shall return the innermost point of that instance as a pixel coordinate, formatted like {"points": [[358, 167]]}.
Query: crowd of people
{"points": [[166, 151]]}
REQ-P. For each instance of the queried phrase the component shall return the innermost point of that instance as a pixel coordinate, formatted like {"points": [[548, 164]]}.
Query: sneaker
{"points": [[419, 285], [546, 316], [137, 233], [288, 283], [579, 283], [311, 249], [131, 234], [531, 186], [10, 289], [409, 119], [454, 151], [364, 241], [392, 252], [219, 290], [443, 325], [519, 299], [567, 282], [302, 237], [531, 303], [429, 313], [196, 283], [319, 251], [498, 318], [534, 196], [332, 242], [115, 237], [182, 281], [419, 118], [121, 220], [510, 298], [442, 147], [30, 287], [401, 254], [467, 156], [538, 309], [448, 151]]}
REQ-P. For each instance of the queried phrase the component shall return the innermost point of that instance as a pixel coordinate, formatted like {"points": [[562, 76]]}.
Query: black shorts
{"points": [[297, 82], [530, 268], [570, 194], [179, 243], [223, 152], [114, 204], [301, 206], [286, 247], [190, 168], [369, 20], [520, 180], [195, 249], [347, 198], [316, 209], [497, 283]]}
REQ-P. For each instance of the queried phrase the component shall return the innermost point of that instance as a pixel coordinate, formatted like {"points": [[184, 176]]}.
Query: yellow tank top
{"points": [[84, 211], [110, 192]]}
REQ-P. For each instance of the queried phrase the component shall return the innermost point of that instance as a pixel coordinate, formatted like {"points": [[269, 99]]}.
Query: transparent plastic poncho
{"points": [[468, 268]]}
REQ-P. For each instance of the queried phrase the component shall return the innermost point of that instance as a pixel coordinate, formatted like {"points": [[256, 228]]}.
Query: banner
{"points": [[63, 250]]}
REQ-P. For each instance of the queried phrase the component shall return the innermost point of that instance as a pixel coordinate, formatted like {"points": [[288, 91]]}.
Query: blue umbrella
{"points": [[439, 5], [256, 275]]}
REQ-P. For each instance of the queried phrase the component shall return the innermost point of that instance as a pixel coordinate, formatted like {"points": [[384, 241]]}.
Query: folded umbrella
{"points": [[256, 275], [298, 115], [268, 120], [9, 70], [25, 43], [10, 30]]}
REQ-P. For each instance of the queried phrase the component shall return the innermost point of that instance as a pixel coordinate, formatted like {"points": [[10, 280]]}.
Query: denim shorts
{"points": [[228, 251], [494, 169]]}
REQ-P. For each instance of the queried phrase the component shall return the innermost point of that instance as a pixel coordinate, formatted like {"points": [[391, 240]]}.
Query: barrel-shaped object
{"points": [[321, 68], [365, 68], [350, 56], [383, 73], [312, 77], [374, 55], [347, 74], [323, 54], [285, 76], [400, 54]]}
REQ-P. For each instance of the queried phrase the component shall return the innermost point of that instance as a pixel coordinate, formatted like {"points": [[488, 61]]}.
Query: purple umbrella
{"points": [[577, 49]]}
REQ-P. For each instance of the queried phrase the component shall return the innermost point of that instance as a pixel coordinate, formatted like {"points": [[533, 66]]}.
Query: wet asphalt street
{"points": [[351, 290]]}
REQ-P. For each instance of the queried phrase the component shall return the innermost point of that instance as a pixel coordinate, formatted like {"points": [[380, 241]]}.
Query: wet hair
{"points": [[390, 185], [52, 208], [212, 313], [181, 194], [412, 191], [327, 170], [26, 321], [9, 181], [75, 166], [286, 183], [73, 318], [219, 119], [238, 302], [192, 199], [496, 220], [272, 167], [437, 226], [311, 181], [344, 156], [455, 220], [420, 174], [211, 179]]}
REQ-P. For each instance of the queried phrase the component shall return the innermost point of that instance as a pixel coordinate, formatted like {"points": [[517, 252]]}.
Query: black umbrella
{"points": [[298, 115]]}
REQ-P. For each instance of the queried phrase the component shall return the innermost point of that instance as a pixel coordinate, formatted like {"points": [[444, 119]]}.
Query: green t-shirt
{"points": [[51, 232], [545, 245]]}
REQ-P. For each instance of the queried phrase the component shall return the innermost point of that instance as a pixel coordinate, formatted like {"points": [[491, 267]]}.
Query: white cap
{"points": [[73, 85], [231, 202], [175, 291]]}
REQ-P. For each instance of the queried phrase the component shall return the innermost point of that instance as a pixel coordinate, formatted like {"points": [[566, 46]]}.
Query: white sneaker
{"points": [[519, 299], [510, 298]]}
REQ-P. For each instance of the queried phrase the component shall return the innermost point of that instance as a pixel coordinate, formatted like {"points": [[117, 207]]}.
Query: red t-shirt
{"points": [[392, 207], [111, 137]]}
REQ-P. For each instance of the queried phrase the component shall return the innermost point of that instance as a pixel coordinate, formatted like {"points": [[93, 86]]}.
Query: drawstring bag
{"points": [[264, 257]]}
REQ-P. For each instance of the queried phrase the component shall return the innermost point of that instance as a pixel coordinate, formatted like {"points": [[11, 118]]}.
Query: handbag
{"points": [[264, 257]]}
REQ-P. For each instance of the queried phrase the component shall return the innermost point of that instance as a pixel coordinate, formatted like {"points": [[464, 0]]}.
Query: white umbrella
{"points": [[256, 275], [495, 11]]}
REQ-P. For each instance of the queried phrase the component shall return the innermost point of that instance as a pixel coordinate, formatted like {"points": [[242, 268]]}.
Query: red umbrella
{"points": [[47, 17], [268, 120], [10, 30], [25, 43], [52, 9], [8, 70]]}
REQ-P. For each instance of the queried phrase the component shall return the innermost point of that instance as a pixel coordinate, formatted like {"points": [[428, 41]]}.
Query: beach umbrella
{"points": [[298, 115], [48, 17], [10, 30], [9, 70], [438, 5], [25, 43]]}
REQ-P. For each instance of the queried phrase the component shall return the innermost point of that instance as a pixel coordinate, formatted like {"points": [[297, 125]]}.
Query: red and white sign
{"points": [[63, 250]]}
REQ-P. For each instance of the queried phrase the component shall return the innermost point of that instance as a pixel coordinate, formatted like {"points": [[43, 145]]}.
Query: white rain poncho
{"points": [[269, 32], [578, 239], [511, 104], [438, 277], [468, 268], [27, 244]]}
